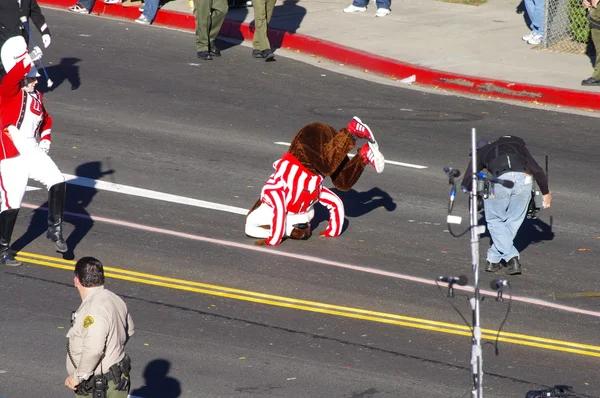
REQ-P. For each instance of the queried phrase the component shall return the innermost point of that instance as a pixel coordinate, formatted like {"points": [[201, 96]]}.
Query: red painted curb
{"points": [[369, 62]]}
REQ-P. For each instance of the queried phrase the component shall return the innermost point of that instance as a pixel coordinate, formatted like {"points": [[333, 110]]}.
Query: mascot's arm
{"points": [[276, 199], [322, 146], [336, 212], [348, 173]]}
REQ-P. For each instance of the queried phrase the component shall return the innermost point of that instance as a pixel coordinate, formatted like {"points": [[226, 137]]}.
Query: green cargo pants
{"points": [[263, 11], [209, 15]]}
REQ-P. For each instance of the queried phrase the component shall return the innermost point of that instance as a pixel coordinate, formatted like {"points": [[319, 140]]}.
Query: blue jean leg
{"points": [[89, 4], [535, 12], [384, 4], [360, 3], [504, 214], [150, 9]]}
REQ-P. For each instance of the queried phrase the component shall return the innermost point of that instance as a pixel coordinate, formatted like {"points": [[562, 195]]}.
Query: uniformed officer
{"points": [[209, 15], [505, 209], [101, 326]]}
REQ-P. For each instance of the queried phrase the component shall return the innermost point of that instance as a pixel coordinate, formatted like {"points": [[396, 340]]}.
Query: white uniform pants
{"points": [[15, 172], [263, 215]]}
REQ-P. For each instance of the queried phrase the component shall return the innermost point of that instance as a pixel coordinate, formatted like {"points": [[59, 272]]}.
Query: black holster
{"points": [[96, 385], [117, 371]]}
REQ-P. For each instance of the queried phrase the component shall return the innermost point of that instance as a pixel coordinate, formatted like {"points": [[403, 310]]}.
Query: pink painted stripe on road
{"points": [[273, 251]]}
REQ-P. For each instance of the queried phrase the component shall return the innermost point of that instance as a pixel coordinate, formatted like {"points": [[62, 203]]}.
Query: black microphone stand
{"points": [[476, 231]]}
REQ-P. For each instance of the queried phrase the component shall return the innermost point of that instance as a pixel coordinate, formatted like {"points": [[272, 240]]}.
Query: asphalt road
{"points": [[355, 316]]}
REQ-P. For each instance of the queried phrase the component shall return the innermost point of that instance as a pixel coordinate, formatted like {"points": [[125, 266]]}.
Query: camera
{"points": [[536, 203]]}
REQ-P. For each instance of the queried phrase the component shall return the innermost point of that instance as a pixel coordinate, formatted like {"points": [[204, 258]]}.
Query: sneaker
{"points": [[80, 9], [360, 130], [353, 8], [535, 40], [143, 20], [141, 9], [590, 81], [382, 12], [7, 258], [370, 153], [528, 37], [112, 1]]}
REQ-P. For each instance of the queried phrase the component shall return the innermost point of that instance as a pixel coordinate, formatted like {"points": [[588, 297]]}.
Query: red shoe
{"points": [[360, 130], [370, 154]]}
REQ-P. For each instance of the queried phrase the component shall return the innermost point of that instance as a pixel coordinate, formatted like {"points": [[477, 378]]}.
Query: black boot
{"points": [[56, 210], [514, 266], [7, 224]]}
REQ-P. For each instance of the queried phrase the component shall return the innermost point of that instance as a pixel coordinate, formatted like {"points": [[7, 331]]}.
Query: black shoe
{"points": [[55, 235], [492, 267], [590, 81], [56, 208], [514, 266], [214, 50], [6, 258], [268, 55], [205, 55], [257, 53]]}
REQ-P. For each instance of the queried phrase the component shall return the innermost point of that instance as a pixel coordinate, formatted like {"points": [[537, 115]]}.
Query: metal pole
{"points": [[476, 230]]}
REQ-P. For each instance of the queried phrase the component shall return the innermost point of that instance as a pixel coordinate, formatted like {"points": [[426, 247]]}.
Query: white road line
{"points": [[146, 193], [413, 166]]}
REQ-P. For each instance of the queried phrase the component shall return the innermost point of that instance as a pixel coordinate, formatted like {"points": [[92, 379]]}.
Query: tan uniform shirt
{"points": [[102, 325]]}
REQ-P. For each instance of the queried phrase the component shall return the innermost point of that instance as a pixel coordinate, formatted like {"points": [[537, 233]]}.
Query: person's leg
{"points": [[495, 216], [219, 11], [383, 4], [13, 182], [150, 9], [89, 4], [260, 41], [517, 208], [537, 19], [530, 9], [202, 15]]}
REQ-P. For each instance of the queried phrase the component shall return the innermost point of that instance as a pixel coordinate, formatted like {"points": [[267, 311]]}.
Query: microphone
{"points": [[459, 280], [498, 284], [505, 183], [452, 172]]}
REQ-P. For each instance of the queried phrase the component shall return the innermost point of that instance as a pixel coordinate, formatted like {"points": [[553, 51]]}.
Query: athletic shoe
{"points": [[80, 9], [382, 12], [590, 81], [141, 9], [353, 8], [535, 40], [143, 20], [360, 130], [514, 266], [528, 37], [492, 267], [6, 258], [370, 153], [112, 1]]}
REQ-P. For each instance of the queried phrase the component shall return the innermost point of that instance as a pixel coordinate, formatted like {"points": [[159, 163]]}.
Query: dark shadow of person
{"points": [[286, 18], [356, 204], [157, 382], [532, 231], [523, 11], [67, 70], [78, 198]]}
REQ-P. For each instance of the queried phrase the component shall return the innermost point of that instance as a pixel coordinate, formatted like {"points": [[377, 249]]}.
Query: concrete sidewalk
{"points": [[473, 49]]}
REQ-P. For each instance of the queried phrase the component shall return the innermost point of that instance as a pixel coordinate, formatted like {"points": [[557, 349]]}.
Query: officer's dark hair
{"points": [[90, 272]]}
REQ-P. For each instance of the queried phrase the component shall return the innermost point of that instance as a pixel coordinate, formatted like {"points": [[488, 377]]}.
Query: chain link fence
{"points": [[567, 28]]}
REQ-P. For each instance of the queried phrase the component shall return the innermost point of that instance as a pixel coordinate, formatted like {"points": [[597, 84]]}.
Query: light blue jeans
{"points": [[504, 214], [535, 11], [379, 3], [150, 9]]}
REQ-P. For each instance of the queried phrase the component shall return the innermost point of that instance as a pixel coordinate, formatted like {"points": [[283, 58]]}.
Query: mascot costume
{"points": [[286, 205]]}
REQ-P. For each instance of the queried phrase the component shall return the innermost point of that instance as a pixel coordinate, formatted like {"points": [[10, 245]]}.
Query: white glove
{"points": [[44, 145], [46, 40], [36, 54]]}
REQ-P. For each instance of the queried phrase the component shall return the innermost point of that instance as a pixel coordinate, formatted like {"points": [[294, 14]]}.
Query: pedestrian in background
{"points": [[209, 15], [101, 327], [148, 11], [505, 208], [263, 11], [535, 11], [383, 7], [594, 20]]}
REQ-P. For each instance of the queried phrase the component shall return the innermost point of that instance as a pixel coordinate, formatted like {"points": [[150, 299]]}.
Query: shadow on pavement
{"points": [[158, 383], [78, 199], [66, 70]]}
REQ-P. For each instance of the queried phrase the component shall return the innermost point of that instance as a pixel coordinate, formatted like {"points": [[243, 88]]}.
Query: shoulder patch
{"points": [[88, 321]]}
